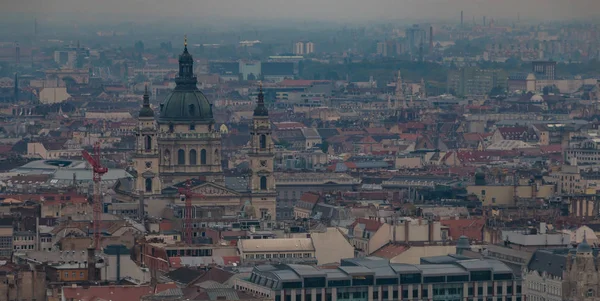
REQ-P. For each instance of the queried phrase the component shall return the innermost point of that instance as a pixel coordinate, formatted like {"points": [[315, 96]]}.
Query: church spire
{"points": [[260, 109], [146, 110]]}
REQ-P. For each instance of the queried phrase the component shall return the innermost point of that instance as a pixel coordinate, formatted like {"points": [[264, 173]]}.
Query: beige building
{"points": [[53, 95], [370, 235], [24, 241], [288, 250], [506, 195], [39, 150]]}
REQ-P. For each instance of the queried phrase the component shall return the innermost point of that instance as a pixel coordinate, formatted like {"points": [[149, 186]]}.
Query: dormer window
{"points": [[192, 127]]}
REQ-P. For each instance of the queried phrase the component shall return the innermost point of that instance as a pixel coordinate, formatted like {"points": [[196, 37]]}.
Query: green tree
{"points": [[325, 147], [497, 91]]}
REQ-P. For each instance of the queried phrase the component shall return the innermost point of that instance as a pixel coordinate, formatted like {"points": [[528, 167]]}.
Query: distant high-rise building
{"points": [[310, 47], [299, 48], [415, 35], [17, 53], [430, 39], [382, 48], [544, 69], [475, 82]]}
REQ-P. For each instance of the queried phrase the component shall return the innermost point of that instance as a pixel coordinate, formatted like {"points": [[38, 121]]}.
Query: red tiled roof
{"points": [[230, 260], [409, 137], [390, 251], [113, 292], [475, 136], [370, 224], [468, 227], [310, 197], [289, 125], [553, 148], [175, 262]]}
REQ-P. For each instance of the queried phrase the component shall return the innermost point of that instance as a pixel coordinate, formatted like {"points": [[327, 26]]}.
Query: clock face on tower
{"points": [[148, 164], [263, 163]]}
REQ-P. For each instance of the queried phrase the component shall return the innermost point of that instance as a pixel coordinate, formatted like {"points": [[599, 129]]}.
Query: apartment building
{"points": [[372, 279]]}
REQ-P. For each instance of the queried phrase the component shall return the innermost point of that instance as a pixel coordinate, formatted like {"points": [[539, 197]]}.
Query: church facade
{"points": [[181, 148]]}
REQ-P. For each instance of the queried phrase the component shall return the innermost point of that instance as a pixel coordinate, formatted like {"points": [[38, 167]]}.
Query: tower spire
{"points": [[185, 41], [260, 109], [146, 110]]}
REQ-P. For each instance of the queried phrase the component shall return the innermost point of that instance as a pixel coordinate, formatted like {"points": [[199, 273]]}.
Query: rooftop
{"points": [[377, 268]]}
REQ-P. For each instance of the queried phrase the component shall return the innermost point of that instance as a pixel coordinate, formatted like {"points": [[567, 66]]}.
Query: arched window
{"points": [[148, 143], [203, 156], [181, 157], [148, 184], [193, 157], [263, 141], [263, 183], [171, 128], [590, 293]]}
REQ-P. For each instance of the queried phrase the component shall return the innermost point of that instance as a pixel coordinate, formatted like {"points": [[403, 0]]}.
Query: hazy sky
{"points": [[343, 10]]}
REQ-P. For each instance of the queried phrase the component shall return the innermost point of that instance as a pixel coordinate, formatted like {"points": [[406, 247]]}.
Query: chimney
{"points": [[406, 231], [91, 260], [430, 231]]}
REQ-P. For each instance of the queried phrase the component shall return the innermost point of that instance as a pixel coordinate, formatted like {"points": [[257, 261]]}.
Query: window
{"points": [[590, 293], [148, 142], [263, 183], [192, 127], [66, 275], [203, 156], [192, 110], [193, 157], [263, 141], [181, 157], [171, 128], [149, 185]]}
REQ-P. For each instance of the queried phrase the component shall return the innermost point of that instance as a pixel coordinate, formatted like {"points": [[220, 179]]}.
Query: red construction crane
{"points": [[187, 194], [98, 171]]}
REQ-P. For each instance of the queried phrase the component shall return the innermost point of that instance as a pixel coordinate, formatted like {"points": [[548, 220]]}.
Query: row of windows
{"points": [[278, 255], [385, 295], [73, 275]]}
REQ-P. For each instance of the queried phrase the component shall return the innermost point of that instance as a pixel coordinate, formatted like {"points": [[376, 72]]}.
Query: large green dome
{"points": [[186, 106], [186, 103]]}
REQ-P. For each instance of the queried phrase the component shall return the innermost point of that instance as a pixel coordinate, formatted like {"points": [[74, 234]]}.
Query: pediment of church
{"points": [[212, 189]]}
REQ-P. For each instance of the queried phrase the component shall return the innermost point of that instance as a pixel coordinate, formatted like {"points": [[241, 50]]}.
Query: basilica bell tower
{"points": [[262, 180], [145, 158]]}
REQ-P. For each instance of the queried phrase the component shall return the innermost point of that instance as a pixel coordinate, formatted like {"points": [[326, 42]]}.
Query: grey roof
{"points": [[379, 268], [239, 184], [444, 259], [553, 262], [441, 270]]}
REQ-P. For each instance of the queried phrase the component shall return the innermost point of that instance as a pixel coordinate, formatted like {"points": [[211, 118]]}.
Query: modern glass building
{"points": [[447, 278]]}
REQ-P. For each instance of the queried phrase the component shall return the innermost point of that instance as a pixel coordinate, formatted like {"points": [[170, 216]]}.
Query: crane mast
{"points": [[186, 194], [98, 171]]}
